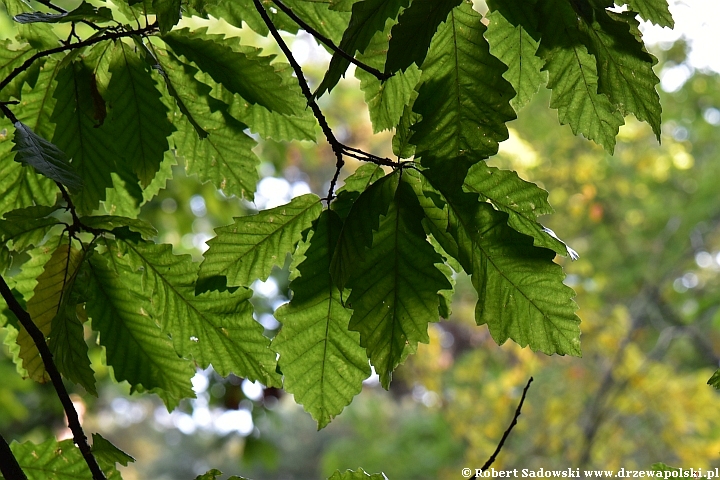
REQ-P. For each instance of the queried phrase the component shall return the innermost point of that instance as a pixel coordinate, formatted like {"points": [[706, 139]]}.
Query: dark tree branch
{"points": [[9, 466], [72, 416], [329, 43], [338, 148], [111, 35], [509, 429]]}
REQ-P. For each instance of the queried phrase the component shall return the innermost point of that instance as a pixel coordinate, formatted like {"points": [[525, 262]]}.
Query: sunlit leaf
{"points": [[322, 362]]}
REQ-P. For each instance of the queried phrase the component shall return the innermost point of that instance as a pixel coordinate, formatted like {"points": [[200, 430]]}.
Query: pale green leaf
{"points": [[82, 136], [55, 460], [386, 100], [48, 298], [39, 36], [411, 36], [106, 452], [573, 78], [137, 116], [214, 328], [368, 17], [463, 98], [249, 248], [322, 362], [513, 38], [137, 349], [395, 287], [12, 56], [243, 72]]}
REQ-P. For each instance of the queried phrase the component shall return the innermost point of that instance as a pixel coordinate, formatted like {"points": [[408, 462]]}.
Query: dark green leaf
{"points": [[26, 227], [368, 17], [463, 99], [84, 11], [411, 36], [82, 136], [249, 248], [574, 77], [69, 349], [242, 71], [31, 149], [106, 452], [168, 14], [137, 116], [114, 222], [358, 474], [395, 286], [323, 363], [354, 185]]}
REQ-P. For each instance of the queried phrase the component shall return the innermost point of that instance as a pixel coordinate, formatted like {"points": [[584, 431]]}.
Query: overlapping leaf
{"points": [[411, 36], [47, 301], [26, 227], [625, 73], [214, 328], [214, 145], [573, 77], [513, 38], [368, 17], [520, 291], [12, 56], [82, 136], [137, 349], [242, 71], [395, 287], [355, 184], [250, 247], [386, 100], [137, 117], [68, 347], [322, 362], [84, 11], [463, 98], [522, 201]]}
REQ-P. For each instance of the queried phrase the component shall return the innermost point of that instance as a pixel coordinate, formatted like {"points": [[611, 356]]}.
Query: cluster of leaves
{"points": [[97, 122]]}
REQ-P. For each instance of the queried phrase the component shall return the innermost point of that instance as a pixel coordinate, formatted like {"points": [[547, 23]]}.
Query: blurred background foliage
{"points": [[646, 223]]}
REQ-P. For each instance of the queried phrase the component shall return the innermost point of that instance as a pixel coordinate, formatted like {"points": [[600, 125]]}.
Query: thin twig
{"points": [[73, 46], [507, 432], [9, 466], [329, 43], [72, 416], [336, 146]]}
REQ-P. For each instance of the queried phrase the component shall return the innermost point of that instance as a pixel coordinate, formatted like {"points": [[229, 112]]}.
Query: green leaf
{"points": [[31, 149], [84, 11], [51, 460], [52, 285], [214, 328], [624, 66], [521, 294], [411, 36], [655, 11], [214, 473], [715, 380], [368, 17], [358, 474], [68, 347], [357, 232], [137, 349], [573, 77], [39, 36], [12, 56], [386, 100], [323, 363], [463, 99], [395, 287], [107, 453], [137, 116], [354, 185], [401, 145], [249, 248], [82, 136], [522, 201], [26, 227], [213, 144], [243, 72], [513, 38], [168, 14]]}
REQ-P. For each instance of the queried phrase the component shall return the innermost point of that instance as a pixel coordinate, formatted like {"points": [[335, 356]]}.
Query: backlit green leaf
{"points": [[250, 247], [655, 11], [322, 362]]}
